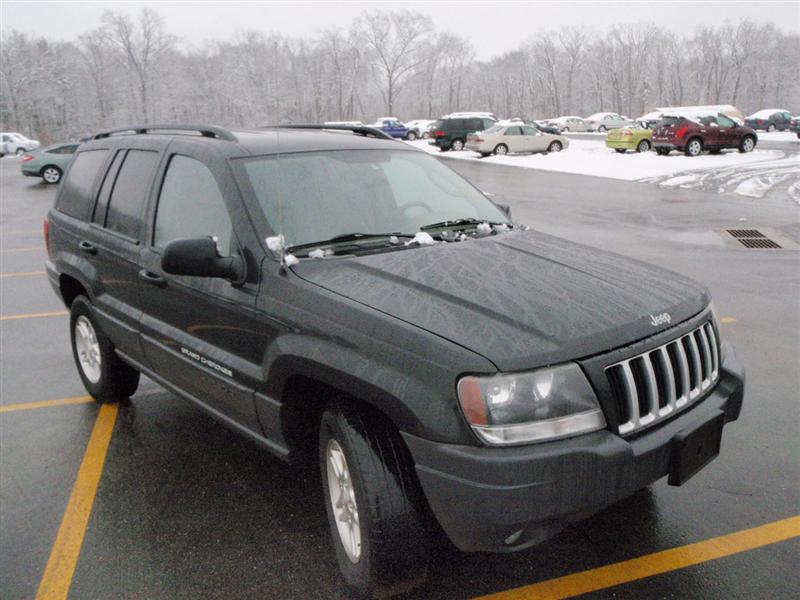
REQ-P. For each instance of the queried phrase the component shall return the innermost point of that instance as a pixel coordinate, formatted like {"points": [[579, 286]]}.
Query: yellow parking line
{"points": [[22, 274], [655, 564], [58, 313], [4, 408], [60, 567], [22, 249], [727, 320]]}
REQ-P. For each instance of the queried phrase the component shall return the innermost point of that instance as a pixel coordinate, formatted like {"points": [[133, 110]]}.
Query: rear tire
{"points": [[694, 147], [373, 502], [457, 145], [620, 150], [747, 144], [51, 174], [104, 375], [565, 130], [20, 151], [501, 150], [643, 146], [771, 127], [602, 129], [426, 135]]}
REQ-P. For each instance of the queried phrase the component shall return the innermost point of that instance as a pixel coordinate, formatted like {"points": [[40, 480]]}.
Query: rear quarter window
{"points": [[75, 199]]}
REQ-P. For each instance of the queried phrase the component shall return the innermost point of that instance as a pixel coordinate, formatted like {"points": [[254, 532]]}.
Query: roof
{"points": [[269, 140]]}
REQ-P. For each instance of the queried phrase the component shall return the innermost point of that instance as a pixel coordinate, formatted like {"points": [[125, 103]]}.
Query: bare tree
{"points": [[141, 44], [397, 41]]}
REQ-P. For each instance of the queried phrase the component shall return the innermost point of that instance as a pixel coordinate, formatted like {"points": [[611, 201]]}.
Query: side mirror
{"points": [[198, 257]]}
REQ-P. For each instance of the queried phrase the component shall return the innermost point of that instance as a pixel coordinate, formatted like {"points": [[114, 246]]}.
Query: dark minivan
{"points": [[347, 299], [451, 133]]}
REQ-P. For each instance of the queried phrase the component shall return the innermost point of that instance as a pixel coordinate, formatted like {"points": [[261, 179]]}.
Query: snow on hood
{"points": [[521, 300]]}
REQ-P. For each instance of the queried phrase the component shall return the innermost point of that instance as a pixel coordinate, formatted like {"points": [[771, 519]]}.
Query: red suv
{"points": [[694, 134]]}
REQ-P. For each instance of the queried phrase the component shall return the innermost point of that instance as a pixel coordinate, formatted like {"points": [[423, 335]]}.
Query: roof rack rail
{"points": [[357, 129], [209, 131]]}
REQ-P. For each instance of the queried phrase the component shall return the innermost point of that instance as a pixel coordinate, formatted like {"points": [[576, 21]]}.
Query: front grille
{"points": [[655, 384]]}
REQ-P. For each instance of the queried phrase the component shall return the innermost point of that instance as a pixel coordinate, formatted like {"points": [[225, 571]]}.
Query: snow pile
{"points": [[758, 186], [484, 228], [422, 238], [590, 157]]}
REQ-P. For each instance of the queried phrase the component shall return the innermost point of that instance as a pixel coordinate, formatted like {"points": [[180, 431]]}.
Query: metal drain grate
{"points": [[758, 243], [746, 233], [753, 238]]}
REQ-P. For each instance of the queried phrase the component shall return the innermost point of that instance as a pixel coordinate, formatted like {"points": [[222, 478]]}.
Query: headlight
{"points": [[519, 408]]}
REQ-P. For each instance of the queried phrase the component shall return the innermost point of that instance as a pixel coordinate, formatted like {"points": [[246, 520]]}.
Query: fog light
{"points": [[512, 539]]}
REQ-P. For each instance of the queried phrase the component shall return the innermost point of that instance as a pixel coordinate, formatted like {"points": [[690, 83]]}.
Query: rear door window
{"points": [[191, 205], [75, 198], [129, 193], [513, 131]]}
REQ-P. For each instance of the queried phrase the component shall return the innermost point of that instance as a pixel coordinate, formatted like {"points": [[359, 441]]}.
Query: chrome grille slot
{"points": [[652, 385]]}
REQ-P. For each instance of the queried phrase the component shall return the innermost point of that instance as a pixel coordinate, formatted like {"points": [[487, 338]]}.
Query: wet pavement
{"points": [[187, 509]]}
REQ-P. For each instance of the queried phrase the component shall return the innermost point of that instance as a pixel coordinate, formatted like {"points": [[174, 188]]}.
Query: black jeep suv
{"points": [[345, 297]]}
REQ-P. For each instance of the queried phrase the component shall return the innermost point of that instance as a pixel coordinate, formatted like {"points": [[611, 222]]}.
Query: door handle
{"points": [[88, 247], [152, 278]]}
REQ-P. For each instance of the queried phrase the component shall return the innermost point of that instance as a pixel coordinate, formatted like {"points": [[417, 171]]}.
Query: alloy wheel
{"points": [[51, 175], [747, 144], [343, 500], [88, 349], [695, 147]]}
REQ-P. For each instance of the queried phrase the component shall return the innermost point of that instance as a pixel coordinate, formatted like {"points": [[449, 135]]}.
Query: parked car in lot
{"points": [[450, 133], [770, 119], [567, 124], [16, 143], [634, 137], [420, 128], [794, 126], [295, 287], [394, 128], [606, 121], [48, 163], [694, 133], [511, 139]]}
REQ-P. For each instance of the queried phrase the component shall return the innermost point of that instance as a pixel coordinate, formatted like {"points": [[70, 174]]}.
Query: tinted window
{"points": [[65, 149], [528, 131], [105, 189], [74, 199], [474, 124], [191, 205], [124, 213], [513, 131]]}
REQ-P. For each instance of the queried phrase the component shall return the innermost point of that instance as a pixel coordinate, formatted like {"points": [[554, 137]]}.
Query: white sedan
{"points": [[505, 139]]}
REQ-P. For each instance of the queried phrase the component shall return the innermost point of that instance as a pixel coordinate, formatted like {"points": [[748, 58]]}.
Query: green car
{"points": [[633, 137], [48, 163]]}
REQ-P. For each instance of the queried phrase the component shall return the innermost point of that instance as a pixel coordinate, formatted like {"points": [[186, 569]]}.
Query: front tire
{"points": [[747, 144], [555, 147], [373, 502], [426, 135], [20, 151], [602, 129], [565, 130], [411, 136], [104, 375], [771, 127], [694, 147], [643, 146], [51, 174]]}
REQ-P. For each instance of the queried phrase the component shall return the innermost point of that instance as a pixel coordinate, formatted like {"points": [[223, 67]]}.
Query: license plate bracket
{"points": [[693, 448]]}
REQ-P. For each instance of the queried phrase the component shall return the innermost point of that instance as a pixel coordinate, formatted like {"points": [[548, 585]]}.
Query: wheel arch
{"points": [[70, 289]]}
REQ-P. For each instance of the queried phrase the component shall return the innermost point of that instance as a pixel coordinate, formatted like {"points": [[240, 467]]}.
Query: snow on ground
{"points": [[590, 157], [778, 136]]}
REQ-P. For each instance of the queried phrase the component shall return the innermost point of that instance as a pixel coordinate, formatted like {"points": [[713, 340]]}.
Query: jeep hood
{"points": [[520, 299]]}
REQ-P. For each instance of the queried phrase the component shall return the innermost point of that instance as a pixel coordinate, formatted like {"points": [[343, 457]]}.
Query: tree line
{"points": [[131, 70]]}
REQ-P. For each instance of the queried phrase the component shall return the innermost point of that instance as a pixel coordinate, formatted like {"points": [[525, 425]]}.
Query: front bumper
{"points": [[483, 495]]}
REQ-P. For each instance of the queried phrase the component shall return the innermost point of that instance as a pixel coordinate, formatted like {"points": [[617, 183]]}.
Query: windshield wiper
{"points": [[456, 222], [355, 236]]}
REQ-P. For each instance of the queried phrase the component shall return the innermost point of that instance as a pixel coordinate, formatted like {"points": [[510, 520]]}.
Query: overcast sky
{"points": [[493, 27]]}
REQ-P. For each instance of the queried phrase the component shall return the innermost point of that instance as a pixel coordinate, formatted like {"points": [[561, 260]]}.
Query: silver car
{"points": [[605, 121], [566, 124], [16, 143], [505, 139]]}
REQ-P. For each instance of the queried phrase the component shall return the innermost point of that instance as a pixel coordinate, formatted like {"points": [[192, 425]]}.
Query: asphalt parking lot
{"points": [[154, 499]]}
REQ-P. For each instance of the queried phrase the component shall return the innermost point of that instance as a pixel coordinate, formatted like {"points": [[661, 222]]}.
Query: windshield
{"points": [[315, 196]]}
